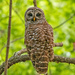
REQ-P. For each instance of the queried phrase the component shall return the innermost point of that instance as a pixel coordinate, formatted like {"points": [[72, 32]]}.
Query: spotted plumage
{"points": [[38, 39]]}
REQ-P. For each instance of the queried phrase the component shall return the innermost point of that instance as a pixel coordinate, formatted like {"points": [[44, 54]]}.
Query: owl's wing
{"points": [[51, 42], [50, 29]]}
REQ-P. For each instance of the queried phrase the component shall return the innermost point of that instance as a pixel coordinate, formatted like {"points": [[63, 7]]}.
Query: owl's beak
{"points": [[34, 19]]}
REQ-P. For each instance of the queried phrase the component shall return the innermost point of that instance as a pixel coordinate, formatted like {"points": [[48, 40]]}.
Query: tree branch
{"points": [[8, 39], [22, 58], [58, 44], [35, 4], [17, 14], [64, 22]]}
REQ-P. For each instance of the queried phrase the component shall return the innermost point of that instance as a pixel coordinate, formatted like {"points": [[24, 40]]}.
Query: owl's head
{"points": [[34, 15]]}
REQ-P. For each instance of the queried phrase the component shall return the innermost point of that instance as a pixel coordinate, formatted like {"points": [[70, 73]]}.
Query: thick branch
{"points": [[22, 58], [64, 59], [14, 60]]}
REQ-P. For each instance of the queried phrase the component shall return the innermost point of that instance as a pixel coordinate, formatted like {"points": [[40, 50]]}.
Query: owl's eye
{"points": [[30, 14], [38, 14]]}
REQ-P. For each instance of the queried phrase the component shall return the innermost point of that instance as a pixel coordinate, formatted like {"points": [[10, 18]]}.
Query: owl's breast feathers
{"points": [[39, 43]]}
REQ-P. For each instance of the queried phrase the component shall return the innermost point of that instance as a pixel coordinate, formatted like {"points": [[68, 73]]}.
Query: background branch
{"points": [[64, 22], [3, 18], [22, 58], [17, 14], [11, 42]]}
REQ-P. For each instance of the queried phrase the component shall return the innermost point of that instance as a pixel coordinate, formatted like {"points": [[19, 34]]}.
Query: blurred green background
{"points": [[56, 12]]}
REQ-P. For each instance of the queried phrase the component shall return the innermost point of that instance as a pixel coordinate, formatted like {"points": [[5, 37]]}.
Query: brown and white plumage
{"points": [[38, 39]]}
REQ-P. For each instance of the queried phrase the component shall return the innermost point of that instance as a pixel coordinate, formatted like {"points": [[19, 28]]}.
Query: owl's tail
{"points": [[41, 64]]}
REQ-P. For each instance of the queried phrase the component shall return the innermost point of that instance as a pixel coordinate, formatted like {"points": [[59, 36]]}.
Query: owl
{"points": [[38, 39]]}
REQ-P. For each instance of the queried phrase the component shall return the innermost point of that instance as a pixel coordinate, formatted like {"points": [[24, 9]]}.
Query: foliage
{"points": [[56, 11]]}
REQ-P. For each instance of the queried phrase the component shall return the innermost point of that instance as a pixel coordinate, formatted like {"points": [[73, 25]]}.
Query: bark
{"points": [[17, 57]]}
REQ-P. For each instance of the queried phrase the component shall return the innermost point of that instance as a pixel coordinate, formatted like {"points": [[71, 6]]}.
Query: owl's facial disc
{"points": [[34, 15], [29, 15], [38, 15]]}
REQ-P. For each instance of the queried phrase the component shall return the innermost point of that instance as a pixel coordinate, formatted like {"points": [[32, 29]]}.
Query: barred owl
{"points": [[38, 39]]}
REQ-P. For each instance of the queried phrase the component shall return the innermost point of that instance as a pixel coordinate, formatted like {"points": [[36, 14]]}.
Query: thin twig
{"points": [[35, 4], [3, 18], [11, 42], [64, 22], [22, 58], [17, 14], [8, 39]]}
